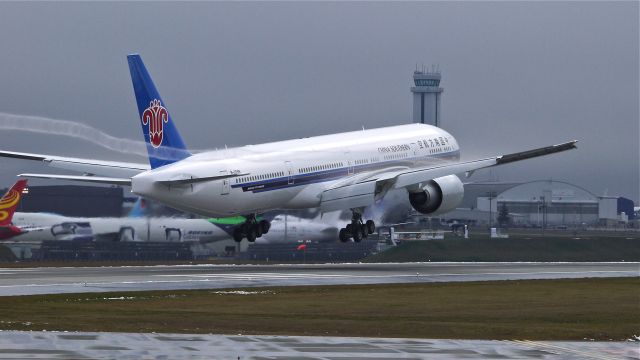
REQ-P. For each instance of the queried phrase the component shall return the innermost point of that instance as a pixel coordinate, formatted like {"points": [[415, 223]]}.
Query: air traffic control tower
{"points": [[426, 97]]}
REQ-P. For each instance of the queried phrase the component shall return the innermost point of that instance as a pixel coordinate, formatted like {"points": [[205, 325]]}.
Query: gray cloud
{"points": [[516, 75]]}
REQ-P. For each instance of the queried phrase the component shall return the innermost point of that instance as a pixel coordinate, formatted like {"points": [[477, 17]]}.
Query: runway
{"points": [[64, 345], [30, 281]]}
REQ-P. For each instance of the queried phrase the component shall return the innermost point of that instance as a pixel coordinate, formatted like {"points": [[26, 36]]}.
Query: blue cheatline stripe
{"points": [[323, 175]]}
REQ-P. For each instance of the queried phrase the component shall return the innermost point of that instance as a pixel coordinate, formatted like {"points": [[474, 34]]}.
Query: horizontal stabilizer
{"points": [[93, 179], [88, 166]]}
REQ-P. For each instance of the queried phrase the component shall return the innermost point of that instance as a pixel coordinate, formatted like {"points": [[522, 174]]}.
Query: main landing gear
{"points": [[357, 229], [251, 229]]}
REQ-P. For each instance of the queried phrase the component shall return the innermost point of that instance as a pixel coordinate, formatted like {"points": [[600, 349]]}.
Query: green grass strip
{"points": [[601, 309]]}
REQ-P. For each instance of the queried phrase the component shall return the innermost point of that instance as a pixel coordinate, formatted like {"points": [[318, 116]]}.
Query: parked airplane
{"points": [[27, 227], [35, 227], [157, 229], [8, 205], [287, 228], [333, 172]]}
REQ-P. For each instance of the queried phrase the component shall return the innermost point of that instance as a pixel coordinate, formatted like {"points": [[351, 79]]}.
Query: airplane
{"points": [[135, 227], [158, 229], [341, 171], [287, 228], [8, 205], [34, 227]]}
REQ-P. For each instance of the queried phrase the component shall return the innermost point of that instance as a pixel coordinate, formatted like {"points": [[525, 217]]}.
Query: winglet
{"points": [[10, 201], [164, 143]]}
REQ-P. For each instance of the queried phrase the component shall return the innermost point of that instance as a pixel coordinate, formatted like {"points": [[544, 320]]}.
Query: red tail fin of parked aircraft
{"points": [[10, 201]]}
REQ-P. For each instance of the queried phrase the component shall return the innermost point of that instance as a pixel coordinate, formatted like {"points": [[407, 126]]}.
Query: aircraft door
{"points": [[289, 172], [173, 234], [126, 233], [226, 187]]}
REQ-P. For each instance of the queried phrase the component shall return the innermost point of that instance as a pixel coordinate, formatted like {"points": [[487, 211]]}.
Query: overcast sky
{"points": [[516, 76]]}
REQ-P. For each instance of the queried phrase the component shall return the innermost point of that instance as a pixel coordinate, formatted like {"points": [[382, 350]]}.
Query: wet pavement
{"points": [[75, 345]]}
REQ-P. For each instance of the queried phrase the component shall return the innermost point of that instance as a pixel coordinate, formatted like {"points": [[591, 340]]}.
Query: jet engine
{"points": [[438, 196]]}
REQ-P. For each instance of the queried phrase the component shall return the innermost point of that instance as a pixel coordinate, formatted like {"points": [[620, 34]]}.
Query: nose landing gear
{"points": [[357, 229], [251, 229]]}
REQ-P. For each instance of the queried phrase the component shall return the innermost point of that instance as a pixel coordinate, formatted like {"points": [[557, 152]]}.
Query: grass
{"points": [[602, 309]]}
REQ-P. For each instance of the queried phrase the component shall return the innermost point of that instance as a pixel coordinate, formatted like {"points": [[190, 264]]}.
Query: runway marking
{"points": [[275, 275], [149, 281], [548, 346], [263, 276]]}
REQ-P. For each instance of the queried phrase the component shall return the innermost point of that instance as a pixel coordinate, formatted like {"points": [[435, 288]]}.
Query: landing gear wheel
{"points": [[371, 226], [251, 233], [356, 233], [258, 230], [365, 231], [237, 234], [265, 226], [343, 235], [349, 229]]}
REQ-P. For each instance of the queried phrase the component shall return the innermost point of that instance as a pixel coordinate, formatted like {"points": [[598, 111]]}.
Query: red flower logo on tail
{"points": [[155, 116]]}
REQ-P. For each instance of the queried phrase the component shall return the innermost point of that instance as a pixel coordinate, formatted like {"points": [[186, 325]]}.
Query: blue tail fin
{"points": [[139, 209], [164, 144]]}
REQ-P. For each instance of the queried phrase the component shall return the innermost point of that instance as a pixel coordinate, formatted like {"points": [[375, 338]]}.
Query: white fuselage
{"points": [[58, 227], [291, 174], [285, 229]]}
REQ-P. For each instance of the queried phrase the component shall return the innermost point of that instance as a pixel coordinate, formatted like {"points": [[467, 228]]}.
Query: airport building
{"points": [[548, 203], [73, 200], [551, 202]]}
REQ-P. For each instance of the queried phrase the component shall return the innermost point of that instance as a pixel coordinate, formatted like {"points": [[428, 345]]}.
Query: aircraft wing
{"points": [[362, 190], [86, 166]]}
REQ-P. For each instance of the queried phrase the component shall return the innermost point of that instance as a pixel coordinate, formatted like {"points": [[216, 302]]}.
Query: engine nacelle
{"points": [[438, 196]]}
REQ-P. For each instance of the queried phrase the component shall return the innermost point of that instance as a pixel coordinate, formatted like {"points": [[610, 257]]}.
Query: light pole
{"points": [[491, 195], [543, 206]]}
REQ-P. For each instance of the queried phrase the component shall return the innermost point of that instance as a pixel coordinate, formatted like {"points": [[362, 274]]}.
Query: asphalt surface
{"points": [[31, 281], [61, 345]]}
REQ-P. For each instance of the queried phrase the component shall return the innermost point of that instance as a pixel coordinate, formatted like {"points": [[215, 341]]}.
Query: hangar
{"points": [[539, 203], [553, 202]]}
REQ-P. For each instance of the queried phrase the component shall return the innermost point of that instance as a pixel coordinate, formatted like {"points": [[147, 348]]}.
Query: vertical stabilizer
{"points": [[139, 209], [9, 202], [164, 143]]}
